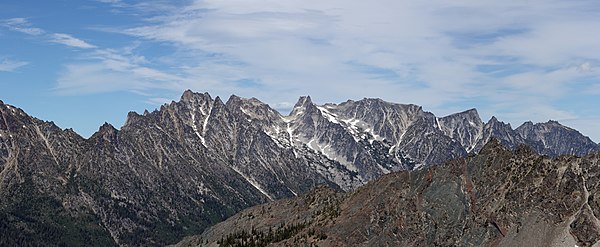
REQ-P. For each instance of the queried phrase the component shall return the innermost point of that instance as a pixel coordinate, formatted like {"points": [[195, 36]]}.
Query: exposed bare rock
{"points": [[179, 169], [498, 197]]}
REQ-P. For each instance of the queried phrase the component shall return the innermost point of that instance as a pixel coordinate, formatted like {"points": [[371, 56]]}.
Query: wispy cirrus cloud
{"points": [[8, 65], [518, 60], [96, 70], [109, 70], [21, 25], [437, 49], [69, 40], [514, 59]]}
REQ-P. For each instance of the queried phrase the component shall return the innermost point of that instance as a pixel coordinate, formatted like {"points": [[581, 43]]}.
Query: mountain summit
{"points": [[177, 170]]}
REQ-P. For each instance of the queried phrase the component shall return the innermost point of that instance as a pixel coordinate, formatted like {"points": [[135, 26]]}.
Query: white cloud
{"points": [[511, 58], [109, 71], [158, 101], [8, 65], [24, 26], [21, 25], [69, 40], [314, 43], [585, 67]]}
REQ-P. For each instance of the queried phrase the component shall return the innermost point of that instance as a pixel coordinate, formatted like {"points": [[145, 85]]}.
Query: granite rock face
{"points": [[165, 174], [179, 169], [552, 138], [498, 197]]}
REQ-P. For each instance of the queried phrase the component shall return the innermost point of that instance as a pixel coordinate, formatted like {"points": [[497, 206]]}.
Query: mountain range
{"points": [[179, 169], [498, 197]]}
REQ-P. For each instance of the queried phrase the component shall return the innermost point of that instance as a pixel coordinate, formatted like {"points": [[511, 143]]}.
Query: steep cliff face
{"points": [[498, 197], [465, 127], [190, 164], [164, 175]]}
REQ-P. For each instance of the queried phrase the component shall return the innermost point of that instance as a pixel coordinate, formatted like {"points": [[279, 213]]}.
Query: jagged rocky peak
{"points": [[253, 109], [197, 103], [13, 118], [134, 117], [12, 109], [500, 130], [526, 129], [472, 112], [303, 101], [200, 160], [469, 115], [192, 97], [526, 125], [466, 127], [303, 105], [106, 132], [496, 125], [493, 120], [553, 138], [467, 119], [218, 103], [529, 126]]}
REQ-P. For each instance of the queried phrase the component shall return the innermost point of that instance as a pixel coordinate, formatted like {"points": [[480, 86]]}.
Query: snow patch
{"points": [[327, 152], [293, 192], [437, 122], [204, 124], [11, 108], [328, 115], [286, 119], [253, 183], [375, 136], [418, 166], [195, 128], [244, 111], [291, 140], [383, 169], [45, 139], [247, 113]]}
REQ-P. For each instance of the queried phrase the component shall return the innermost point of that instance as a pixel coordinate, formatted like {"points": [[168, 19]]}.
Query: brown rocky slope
{"points": [[495, 198]]}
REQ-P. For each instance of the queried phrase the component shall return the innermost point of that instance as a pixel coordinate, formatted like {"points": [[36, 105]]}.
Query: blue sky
{"points": [[81, 63]]}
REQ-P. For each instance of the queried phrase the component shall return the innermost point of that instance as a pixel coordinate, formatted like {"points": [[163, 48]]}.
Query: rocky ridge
{"points": [[190, 164], [498, 197]]}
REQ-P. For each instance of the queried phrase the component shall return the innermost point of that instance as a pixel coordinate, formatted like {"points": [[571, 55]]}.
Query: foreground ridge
{"points": [[498, 197]]}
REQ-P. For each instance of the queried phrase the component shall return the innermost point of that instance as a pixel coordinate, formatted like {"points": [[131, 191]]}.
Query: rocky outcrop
{"points": [[552, 138], [179, 169], [498, 197], [169, 173]]}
